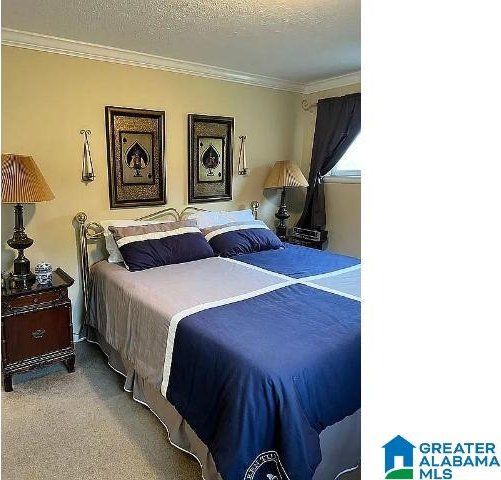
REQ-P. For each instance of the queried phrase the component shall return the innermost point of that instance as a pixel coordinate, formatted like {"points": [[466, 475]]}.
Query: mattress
{"points": [[195, 335]]}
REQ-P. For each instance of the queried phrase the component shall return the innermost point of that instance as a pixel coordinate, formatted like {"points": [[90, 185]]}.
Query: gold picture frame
{"points": [[210, 158], [136, 168]]}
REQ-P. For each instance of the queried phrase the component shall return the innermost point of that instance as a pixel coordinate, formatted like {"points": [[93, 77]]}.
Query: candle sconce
{"points": [[242, 159], [87, 167]]}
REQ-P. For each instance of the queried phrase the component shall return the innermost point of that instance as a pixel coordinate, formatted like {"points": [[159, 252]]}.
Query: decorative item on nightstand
{"points": [[284, 175], [308, 238], [43, 273], [22, 182]]}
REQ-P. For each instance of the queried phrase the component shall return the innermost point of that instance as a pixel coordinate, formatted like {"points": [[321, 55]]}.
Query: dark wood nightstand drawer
{"points": [[35, 333], [35, 299]]}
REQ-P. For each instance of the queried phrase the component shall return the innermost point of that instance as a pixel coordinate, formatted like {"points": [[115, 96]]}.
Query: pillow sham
{"points": [[236, 238], [114, 255], [211, 219], [155, 245]]}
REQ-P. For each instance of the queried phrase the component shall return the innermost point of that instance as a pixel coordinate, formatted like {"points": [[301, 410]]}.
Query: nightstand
{"points": [[36, 327]]}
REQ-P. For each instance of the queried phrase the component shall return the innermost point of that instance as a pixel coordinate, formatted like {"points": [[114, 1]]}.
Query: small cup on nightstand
{"points": [[43, 273]]}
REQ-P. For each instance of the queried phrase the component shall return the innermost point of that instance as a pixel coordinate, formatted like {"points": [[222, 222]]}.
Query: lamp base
{"points": [[23, 281], [282, 215], [22, 275], [281, 231]]}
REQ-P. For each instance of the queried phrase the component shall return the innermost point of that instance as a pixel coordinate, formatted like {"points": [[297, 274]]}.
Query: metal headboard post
{"points": [[90, 231], [255, 208], [81, 218]]}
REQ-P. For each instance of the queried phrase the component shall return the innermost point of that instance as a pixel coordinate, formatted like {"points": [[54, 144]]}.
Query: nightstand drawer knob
{"points": [[38, 333]]}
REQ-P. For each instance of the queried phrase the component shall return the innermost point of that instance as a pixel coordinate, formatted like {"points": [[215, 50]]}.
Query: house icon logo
{"points": [[398, 459]]}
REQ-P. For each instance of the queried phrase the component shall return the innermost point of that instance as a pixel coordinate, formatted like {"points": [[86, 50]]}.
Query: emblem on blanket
{"points": [[266, 466]]}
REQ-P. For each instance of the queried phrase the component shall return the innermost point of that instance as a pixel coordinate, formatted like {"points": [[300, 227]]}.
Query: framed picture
{"points": [[210, 158], [136, 170]]}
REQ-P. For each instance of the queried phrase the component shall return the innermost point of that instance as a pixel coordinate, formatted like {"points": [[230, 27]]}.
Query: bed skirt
{"points": [[339, 443]]}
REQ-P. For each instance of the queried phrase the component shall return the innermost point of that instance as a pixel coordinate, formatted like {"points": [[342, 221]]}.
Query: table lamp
{"points": [[22, 182], [284, 175]]}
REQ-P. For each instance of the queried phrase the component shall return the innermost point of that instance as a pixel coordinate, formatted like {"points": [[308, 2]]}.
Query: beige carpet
{"points": [[83, 425]]}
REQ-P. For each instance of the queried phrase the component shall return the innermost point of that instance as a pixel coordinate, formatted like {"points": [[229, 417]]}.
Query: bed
{"points": [[251, 362]]}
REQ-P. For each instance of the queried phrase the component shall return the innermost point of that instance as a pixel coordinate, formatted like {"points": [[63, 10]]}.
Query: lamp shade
{"points": [[22, 180], [285, 174]]}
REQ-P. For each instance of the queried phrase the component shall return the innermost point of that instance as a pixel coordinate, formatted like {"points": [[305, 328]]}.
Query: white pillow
{"points": [[114, 253], [212, 219], [239, 215]]}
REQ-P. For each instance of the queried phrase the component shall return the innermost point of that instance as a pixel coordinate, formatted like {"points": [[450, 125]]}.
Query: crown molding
{"points": [[74, 48], [332, 82]]}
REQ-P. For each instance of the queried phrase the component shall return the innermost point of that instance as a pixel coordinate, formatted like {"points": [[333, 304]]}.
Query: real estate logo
{"points": [[399, 449], [438, 460]]}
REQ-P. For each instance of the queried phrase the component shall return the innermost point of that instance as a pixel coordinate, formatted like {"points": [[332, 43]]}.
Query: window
{"points": [[350, 164]]}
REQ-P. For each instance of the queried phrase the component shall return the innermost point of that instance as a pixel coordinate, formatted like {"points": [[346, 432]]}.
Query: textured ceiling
{"points": [[296, 40]]}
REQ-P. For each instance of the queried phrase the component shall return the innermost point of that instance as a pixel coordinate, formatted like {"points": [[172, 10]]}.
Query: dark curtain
{"points": [[337, 125]]}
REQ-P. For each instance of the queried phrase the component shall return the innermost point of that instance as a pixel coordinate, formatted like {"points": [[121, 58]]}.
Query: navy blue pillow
{"points": [[155, 245], [241, 237]]}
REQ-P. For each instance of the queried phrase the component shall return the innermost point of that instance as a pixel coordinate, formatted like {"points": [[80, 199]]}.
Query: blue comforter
{"points": [[259, 379], [298, 262]]}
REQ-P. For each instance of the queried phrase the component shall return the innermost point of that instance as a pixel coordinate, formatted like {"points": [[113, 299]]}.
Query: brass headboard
{"points": [[93, 232]]}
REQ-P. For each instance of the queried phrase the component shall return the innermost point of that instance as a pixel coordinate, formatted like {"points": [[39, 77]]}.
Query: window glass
{"points": [[350, 164]]}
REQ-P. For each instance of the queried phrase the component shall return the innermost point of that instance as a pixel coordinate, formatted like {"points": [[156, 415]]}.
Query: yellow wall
{"points": [[342, 200], [48, 98]]}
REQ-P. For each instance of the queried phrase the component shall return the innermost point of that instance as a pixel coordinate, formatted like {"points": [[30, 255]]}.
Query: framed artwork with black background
{"points": [[136, 169], [210, 158]]}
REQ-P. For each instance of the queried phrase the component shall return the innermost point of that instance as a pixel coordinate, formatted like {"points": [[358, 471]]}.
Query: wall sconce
{"points": [[87, 167], [242, 159]]}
